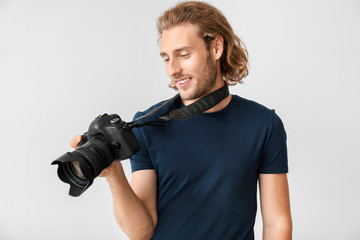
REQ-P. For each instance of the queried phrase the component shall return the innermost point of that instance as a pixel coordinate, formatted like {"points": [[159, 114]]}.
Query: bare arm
{"points": [[275, 207], [135, 205]]}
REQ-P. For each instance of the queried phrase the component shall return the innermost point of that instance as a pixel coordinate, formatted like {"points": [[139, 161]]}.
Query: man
{"points": [[197, 179]]}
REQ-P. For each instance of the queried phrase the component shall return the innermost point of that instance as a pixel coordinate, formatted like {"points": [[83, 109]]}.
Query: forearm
{"points": [[130, 212], [281, 230]]}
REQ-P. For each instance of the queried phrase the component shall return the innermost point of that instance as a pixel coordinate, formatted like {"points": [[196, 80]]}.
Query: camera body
{"points": [[110, 128], [106, 140]]}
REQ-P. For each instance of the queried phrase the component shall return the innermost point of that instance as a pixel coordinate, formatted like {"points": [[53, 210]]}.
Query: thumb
{"points": [[75, 141]]}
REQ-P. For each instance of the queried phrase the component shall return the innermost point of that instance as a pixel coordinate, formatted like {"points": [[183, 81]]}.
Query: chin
{"points": [[185, 96], [189, 96]]}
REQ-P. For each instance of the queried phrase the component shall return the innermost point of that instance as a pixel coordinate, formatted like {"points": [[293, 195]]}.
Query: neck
{"points": [[221, 105]]}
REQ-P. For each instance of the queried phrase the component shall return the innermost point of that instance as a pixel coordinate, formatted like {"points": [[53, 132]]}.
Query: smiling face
{"points": [[190, 65]]}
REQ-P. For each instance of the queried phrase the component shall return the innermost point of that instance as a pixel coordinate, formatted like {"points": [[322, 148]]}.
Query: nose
{"points": [[173, 68]]}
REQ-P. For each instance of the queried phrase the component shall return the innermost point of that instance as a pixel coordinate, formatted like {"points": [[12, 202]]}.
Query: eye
{"points": [[166, 59], [185, 55]]}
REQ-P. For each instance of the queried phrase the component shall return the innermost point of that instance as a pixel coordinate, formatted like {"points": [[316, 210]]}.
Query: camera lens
{"points": [[69, 171], [80, 167], [76, 166], [74, 174]]}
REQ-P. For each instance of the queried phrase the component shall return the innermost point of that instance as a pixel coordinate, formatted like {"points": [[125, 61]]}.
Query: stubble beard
{"points": [[205, 82]]}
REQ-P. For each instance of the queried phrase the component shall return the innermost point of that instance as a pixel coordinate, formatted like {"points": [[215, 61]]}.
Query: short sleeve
{"points": [[274, 155], [141, 160]]}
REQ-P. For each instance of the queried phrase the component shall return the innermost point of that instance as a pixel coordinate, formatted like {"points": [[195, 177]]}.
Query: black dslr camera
{"points": [[108, 139]]}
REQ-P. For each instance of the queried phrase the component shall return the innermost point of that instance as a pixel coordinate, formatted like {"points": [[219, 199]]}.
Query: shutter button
{"points": [[114, 121]]}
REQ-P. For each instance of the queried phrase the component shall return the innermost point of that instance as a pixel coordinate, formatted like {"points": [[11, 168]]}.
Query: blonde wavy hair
{"points": [[211, 23]]}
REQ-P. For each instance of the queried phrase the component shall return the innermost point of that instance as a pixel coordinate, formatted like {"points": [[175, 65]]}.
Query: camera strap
{"points": [[184, 113]]}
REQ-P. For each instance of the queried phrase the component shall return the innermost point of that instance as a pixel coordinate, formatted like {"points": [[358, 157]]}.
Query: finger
{"points": [[75, 141], [103, 173]]}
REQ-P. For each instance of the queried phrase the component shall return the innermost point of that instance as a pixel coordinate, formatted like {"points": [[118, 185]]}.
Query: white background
{"points": [[64, 62]]}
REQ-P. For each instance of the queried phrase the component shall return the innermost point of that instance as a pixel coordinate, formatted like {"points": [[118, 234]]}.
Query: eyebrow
{"points": [[185, 48]]}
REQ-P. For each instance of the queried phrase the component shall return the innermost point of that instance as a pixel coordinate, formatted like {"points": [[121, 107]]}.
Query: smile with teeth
{"points": [[183, 82]]}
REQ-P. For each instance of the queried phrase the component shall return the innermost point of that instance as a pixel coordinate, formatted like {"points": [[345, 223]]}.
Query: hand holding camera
{"points": [[110, 170], [108, 139]]}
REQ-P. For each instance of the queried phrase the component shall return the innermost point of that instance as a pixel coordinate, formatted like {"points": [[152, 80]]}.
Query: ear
{"points": [[218, 47]]}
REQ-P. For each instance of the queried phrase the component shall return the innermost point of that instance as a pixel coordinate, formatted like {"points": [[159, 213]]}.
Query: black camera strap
{"points": [[184, 113]]}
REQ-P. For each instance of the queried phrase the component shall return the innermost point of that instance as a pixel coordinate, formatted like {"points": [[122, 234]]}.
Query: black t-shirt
{"points": [[207, 168]]}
